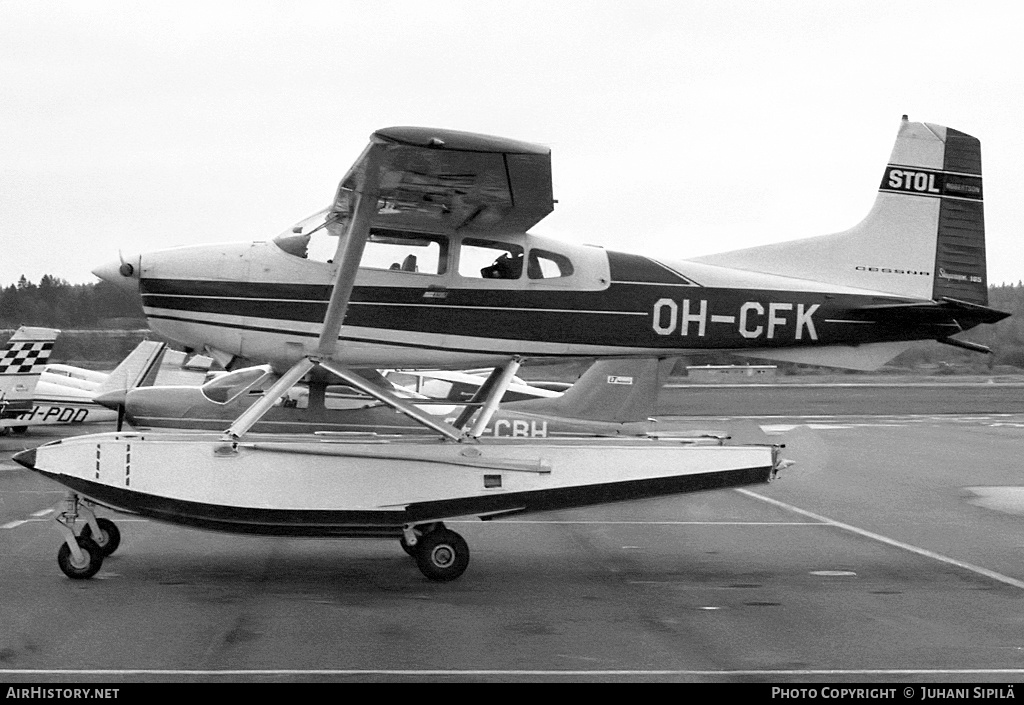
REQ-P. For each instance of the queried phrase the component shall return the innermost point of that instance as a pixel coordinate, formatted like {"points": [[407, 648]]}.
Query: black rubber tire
{"points": [[19, 430], [442, 555], [92, 565], [110, 537]]}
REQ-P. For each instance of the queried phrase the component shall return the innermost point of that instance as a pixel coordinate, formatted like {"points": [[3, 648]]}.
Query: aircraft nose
{"points": [[112, 400], [124, 273]]}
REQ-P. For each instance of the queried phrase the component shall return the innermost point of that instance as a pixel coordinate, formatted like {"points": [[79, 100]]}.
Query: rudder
{"points": [[960, 265]]}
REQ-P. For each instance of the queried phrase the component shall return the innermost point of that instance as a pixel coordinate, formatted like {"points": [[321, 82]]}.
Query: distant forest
{"points": [[54, 303]]}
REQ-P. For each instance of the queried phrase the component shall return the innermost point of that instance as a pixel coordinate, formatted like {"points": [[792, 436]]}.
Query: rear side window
{"points": [[548, 265]]}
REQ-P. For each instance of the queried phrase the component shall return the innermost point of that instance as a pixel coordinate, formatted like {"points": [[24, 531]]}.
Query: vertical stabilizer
{"points": [[924, 238], [138, 368], [618, 391], [22, 360]]}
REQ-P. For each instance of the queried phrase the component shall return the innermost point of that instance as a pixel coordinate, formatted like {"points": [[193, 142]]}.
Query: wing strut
{"points": [[476, 402], [508, 371], [277, 390], [350, 250], [354, 380]]}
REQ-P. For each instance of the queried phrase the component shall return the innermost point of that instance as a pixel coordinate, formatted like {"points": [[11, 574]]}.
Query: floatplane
{"points": [[429, 263]]}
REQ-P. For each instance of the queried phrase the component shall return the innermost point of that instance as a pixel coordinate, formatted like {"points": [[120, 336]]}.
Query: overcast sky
{"points": [[677, 128]]}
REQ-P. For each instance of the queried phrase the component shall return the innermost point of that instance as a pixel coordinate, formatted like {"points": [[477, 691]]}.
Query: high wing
{"points": [[433, 180]]}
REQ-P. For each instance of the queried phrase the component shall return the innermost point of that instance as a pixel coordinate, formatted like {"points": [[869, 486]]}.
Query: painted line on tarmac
{"points": [[516, 672], [497, 522], [891, 542], [37, 516]]}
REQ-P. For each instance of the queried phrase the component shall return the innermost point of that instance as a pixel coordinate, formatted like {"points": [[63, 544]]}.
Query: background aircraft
{"points": [[22, 360], [613, 397], [448, 276], [58, 394]]}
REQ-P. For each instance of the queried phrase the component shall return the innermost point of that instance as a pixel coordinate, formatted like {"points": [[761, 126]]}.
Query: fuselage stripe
{"points": [[256, 300]]}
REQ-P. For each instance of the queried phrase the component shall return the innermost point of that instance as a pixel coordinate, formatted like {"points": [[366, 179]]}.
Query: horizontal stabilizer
{"points": [[963, 312]]}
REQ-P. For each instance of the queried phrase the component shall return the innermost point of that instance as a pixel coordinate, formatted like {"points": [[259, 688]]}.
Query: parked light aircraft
{"points": [[54, 394], [613, 397], [467, 285]]}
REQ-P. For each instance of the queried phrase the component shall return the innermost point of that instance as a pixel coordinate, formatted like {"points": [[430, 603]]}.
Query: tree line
{"points": [[54, 303]]}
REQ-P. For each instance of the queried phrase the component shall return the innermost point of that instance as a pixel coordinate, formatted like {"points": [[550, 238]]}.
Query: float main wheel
{"points": [[442, 555], [109, 538], [92, 559]]}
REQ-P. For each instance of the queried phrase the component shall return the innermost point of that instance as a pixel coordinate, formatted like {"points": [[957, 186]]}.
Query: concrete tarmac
{"points": [[891, 552]]}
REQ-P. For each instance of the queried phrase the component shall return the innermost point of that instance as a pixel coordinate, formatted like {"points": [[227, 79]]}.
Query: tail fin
{"points": [[619, 391], [138, 369], [22, 360], [924, 238]]}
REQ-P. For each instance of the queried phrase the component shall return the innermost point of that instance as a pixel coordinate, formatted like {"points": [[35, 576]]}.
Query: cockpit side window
{"points": [[489, 259], [548, 265], [403, 251], [316, 239]]}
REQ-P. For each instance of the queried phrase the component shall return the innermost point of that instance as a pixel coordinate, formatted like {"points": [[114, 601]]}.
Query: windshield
{"points": [[395, 250], [309, 238]]}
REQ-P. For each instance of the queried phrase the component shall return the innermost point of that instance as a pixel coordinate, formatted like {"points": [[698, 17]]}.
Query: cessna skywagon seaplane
{"points": [[466, 286], [450, 278]]}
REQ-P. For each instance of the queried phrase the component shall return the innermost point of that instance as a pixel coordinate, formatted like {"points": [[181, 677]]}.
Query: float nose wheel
{"points": [[83, 566], [81, 556], [442, 555]]}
